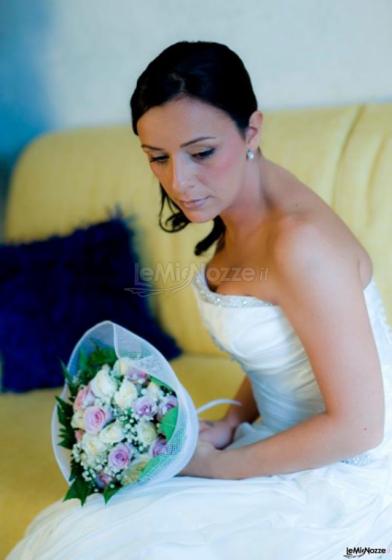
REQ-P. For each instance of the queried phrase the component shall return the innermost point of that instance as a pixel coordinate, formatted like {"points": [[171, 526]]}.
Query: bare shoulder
{"points": [[301, 239], [305, 257], [310, 226]]}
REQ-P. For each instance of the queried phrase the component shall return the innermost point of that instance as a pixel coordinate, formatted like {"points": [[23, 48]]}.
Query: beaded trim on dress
{"points": [[228, 300]]}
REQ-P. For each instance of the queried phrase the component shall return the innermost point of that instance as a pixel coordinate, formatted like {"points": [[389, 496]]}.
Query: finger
{"points": [[205, 437], [207, 423]]}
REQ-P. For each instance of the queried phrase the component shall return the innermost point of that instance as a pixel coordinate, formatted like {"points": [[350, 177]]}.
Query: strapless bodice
{"points": [[258, 336]]}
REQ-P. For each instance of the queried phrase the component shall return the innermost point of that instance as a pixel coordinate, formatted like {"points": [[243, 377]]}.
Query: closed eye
{"points": [[198, 155]]}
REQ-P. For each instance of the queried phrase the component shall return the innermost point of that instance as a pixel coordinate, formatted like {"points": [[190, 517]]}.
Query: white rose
{"points": [[77, 420], [146, 432], [126, 394], [93, 447], [112, 433], [154, 391], [103, 386], [122, 366]]}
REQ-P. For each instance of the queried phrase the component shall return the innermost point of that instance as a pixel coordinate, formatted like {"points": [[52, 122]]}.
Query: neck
{"points": [[252, 207]]}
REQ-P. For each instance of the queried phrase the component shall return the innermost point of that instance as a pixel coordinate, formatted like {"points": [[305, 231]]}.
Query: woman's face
{"points": [[197, 153]]}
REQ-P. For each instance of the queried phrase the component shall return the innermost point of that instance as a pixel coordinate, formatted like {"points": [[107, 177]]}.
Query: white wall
{"points": [[66, 63], [298, 52]]}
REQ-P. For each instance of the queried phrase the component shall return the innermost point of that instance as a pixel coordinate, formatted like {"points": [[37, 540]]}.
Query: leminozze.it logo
{"points": [[359, 551], [173, 276]]}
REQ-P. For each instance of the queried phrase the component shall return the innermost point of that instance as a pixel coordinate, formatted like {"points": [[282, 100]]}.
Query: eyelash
{"points": [[201, 155]]}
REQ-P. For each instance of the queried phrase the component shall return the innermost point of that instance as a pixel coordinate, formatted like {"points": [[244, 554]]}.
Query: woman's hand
{"points": [[218, 432], [202, 462]]}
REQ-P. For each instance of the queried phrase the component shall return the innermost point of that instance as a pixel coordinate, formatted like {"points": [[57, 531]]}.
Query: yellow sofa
{"points": [[70, 178]]}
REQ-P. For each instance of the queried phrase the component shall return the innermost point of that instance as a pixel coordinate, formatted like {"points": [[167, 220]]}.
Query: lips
{"points": [[195, 203], [193, 200]]}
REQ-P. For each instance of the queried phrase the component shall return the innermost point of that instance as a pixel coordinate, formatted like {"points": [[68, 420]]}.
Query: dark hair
{"points": [[209, 72]]}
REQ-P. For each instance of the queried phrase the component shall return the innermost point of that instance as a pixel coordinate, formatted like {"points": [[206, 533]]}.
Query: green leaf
{"points": [[168, 422], [65, 443], [102, 355], [83, 359], [64, 411], [109, 492], [89, 364], [151, 465], [67, 436], [85, 371], [161, 383], [70, 380], [79, 489], [76, 469]]}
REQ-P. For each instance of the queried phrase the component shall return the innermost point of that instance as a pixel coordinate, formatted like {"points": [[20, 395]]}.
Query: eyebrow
{"points": [[182, 145]]}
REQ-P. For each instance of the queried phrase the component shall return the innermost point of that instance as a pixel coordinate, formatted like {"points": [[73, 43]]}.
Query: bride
{"points": [[290, 294]]}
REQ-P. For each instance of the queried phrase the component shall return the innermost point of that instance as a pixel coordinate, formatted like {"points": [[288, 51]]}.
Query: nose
{"points": [[180, 178]]}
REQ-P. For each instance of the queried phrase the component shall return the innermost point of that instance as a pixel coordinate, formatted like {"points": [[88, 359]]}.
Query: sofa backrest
{"points": [[71, 178]]}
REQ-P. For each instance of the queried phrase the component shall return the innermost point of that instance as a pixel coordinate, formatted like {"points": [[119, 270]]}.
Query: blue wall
{"points": [[23, 99]]}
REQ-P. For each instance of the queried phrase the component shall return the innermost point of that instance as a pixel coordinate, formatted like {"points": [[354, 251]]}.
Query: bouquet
{"points": [[123, 417]]}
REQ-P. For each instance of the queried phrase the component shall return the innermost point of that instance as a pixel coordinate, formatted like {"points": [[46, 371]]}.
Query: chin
{"points": [[197, 217]]}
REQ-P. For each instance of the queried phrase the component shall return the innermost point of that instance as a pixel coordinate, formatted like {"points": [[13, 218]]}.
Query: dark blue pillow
{"points": [[51, 291]]}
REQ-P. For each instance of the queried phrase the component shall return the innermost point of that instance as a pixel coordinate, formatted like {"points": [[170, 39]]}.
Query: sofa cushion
{"points": [[52, 290]]}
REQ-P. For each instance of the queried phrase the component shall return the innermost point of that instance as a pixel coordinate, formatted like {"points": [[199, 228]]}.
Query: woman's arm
{"points": [[313, 443], [320, 293]]}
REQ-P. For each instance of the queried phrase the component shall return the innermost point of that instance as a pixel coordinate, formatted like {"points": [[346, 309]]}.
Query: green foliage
{"points": [[162, 384], [89, 364], [67, 436], [64, 411], [79, 489], [70, 380], [151, 465], [168, 422], [83, 360], [102, 355], [76, 469], [109, 492], [64, 414]]}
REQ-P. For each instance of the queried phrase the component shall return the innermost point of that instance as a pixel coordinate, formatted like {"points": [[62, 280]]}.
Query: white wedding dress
{"points": [[311, 514]]}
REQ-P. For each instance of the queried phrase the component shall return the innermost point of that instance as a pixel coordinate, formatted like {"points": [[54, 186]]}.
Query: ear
{"points": [[253, 133]]}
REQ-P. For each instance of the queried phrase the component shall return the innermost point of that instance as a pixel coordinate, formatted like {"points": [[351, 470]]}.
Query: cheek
{"points": [[226, 167]]}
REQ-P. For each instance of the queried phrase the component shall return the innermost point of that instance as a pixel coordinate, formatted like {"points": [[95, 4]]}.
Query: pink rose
{"points": [[79, 435], [158, 447], [103, 479], [168, 402], [145, 406], [120, 456], [84, 398], [136, 375], [95, 418]]}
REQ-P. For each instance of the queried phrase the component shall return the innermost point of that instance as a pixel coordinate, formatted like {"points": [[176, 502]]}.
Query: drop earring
{"points": [[249, 154]]}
